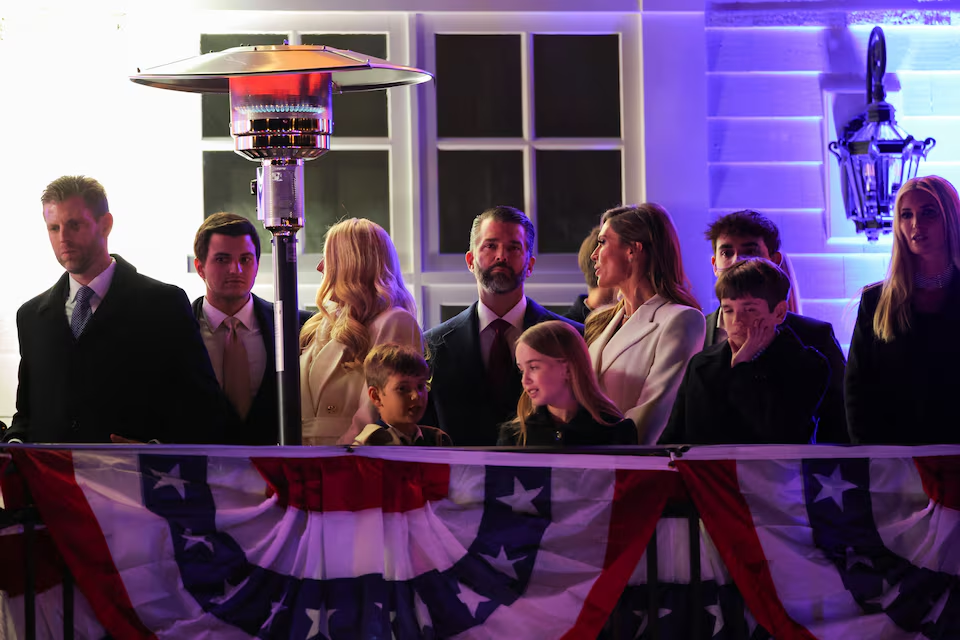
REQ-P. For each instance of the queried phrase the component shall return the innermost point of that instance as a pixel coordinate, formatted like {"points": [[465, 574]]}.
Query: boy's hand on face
{"points": [[759, 337]]}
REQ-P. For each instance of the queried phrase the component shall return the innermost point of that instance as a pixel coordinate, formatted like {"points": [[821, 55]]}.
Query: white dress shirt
{"points": [[213, 330], [487, 333], [100, 286]]}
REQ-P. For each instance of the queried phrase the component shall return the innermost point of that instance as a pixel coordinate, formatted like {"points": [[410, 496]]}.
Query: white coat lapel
{"points": [[317, 367], [636, 328]]}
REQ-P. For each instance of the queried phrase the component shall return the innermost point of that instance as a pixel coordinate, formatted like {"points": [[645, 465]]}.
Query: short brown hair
{"points": [[388, 359], [66, 187], [755, 277], [229, 224], [510, 215], [587, 247], [745, 223]]}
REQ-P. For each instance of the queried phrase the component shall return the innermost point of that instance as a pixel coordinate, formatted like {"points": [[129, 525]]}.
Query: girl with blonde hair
{"points": [[561, 403], [641, 345], [362, 302], [902, 375]]}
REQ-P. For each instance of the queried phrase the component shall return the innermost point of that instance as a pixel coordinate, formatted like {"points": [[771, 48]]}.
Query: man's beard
{"points": [[504, 281]]}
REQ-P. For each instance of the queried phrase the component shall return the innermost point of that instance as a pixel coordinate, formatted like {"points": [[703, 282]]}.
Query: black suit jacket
{"points": [[262, 426], [579, 310], [138, 370], [774, 399], [460, 401], [905, 391], [819, 335]]}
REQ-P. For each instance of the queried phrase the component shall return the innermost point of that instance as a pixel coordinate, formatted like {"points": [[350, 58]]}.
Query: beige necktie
{"points": [[236, 369]]}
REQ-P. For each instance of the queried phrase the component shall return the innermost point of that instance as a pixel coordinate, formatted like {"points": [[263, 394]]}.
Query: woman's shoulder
{"points": [[395, 314], [870, 294]]}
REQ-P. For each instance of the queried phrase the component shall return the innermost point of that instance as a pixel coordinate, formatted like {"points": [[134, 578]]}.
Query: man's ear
{"points": [[780, 311], [530, 264], [374, 394], [199, 268], [469, 258], [106, 224], [777, 258], [713, 263]]}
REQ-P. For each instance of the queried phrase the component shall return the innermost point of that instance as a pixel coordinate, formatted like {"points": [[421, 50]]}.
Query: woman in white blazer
{"points": [[641, 345], [363, 302]]}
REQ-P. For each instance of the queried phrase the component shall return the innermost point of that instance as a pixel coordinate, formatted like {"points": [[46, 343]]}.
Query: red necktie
{"points": [[501, 361]]}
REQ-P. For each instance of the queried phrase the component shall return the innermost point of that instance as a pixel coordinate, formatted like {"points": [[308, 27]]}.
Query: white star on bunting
{"points": [[171, 479], [832, 487], [854, 558], [502, 563], [319, 622], [714, 610], [643, 619], [191, 540], [275, 608], [472, 599], [887, 595], [228, 591], [521, 501], [934, 614]]}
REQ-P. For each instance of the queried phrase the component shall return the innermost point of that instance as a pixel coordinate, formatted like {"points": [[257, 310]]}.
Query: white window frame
{"points": [[444, 278], [403, 198]]}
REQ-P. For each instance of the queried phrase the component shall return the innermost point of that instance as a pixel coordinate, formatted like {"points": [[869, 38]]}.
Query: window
{"points": [[533, 111], [424, 161]]}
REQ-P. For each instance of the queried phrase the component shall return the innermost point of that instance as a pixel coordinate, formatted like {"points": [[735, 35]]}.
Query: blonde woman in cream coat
{"points": [[640, 346], [363, 302]]}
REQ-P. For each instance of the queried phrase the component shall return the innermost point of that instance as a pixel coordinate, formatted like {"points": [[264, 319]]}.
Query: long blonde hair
{"points": [[651, 226], [893, 311], [361, 280], [558, 340]]}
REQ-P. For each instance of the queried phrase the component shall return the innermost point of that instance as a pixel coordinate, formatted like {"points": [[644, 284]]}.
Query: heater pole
{"points": [[280, 205], [286, 319]]}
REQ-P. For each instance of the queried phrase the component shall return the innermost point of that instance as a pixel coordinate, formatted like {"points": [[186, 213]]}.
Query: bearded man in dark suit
{"points": [[475, 384]]}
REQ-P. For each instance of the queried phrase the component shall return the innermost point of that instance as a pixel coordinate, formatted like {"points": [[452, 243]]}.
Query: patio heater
{"points": [[876, 156], [280, 116]]}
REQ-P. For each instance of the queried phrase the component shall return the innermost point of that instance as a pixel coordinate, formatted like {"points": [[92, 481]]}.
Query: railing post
{"points": [[29, 581], [696, 582], [653, 587], [68, 607]]}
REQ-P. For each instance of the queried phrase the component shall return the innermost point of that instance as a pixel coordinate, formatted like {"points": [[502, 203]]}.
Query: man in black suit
{"points": [[475, 384], [107, 351], [747, 233], [227, 257]]}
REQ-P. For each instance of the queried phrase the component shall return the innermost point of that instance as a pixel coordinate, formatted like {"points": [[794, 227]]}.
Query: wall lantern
{"points": [[280, 116], [876, 156]]}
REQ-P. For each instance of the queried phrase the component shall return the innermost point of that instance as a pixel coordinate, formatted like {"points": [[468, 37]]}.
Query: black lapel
{"points": [[711, 328], [462, 342], [52, 311], [117, 295]]}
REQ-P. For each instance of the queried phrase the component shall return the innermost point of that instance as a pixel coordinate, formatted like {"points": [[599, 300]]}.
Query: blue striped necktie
{"points": [[81, 311]]}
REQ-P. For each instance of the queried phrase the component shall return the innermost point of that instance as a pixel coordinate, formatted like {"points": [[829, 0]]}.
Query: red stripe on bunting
{"points": [[48, 565], [941, 479], [715, 490], [73, 526], [353, 483], [638, 501]]}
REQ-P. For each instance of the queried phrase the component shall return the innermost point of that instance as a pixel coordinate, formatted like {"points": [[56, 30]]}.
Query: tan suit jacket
{"points": [[334, 404], [641, 364]]}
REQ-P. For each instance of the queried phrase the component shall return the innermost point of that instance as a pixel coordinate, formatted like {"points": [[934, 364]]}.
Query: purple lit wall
{"points": [[781, 79]]}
